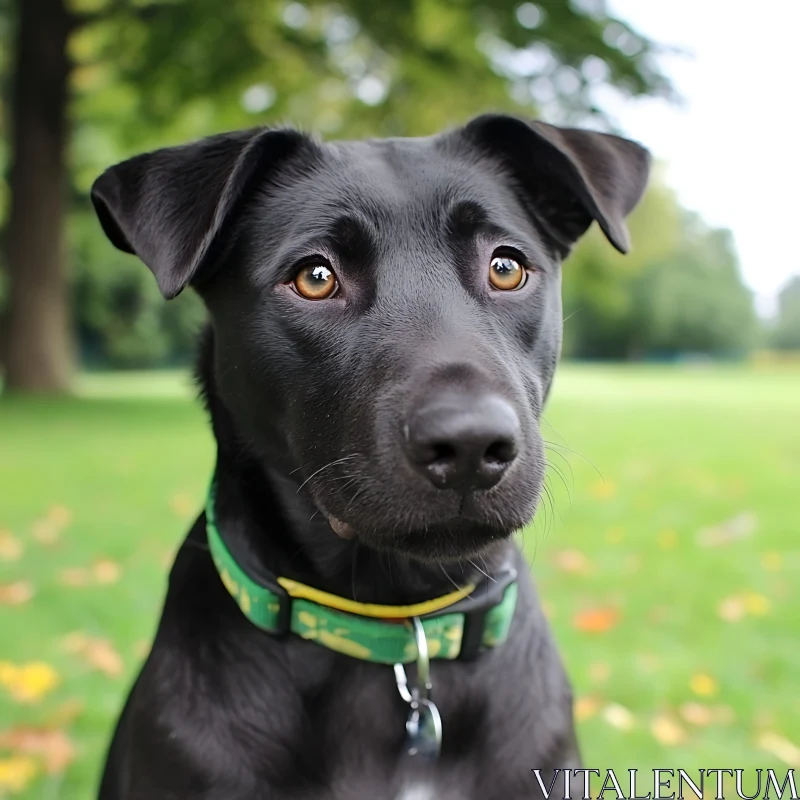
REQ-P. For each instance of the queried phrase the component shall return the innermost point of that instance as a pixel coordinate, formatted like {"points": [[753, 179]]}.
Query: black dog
{"points": [[385, 323]]}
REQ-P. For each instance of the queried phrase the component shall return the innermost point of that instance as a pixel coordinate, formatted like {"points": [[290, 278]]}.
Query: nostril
{"points": [[501, 451], [442, 452]]}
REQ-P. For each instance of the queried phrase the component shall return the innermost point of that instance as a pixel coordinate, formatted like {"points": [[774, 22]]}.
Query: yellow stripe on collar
{"points": [[299, 590]]}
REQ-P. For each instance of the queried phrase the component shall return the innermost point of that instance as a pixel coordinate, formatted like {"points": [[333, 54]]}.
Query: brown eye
{"points": [[315, 282], [506, 273]]}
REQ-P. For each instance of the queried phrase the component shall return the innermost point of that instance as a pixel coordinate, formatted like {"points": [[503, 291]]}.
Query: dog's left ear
{"points": [[568, 176], [173, 207]]}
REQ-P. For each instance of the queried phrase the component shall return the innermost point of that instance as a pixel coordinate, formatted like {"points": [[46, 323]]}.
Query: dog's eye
{"points": [[315, 281], [506, 273]]}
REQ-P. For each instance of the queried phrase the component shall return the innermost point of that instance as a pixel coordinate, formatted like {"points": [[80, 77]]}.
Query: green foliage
{"points": [[678, 291], [786, 333], [121, 316]]}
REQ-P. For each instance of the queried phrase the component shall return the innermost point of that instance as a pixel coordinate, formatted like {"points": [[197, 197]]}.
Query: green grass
{"points": [[678, 450]]}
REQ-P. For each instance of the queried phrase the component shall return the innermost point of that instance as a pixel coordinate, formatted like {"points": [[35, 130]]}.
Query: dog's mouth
{"points": [[342, 529], [435, 540]]}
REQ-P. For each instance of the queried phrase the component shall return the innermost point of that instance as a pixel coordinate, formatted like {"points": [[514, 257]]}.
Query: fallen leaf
{"points": [[772, 561], [603, 490], [724, 715], [596, 620], [65, 714], [756, 604], [45, 531], [619, 717], [703, 685], [572, 561], [75, 576], [697, 714], [599, 671], [17, 772], [17, 593], [667, 540], [585, 707], [106, 571], [141, 649], [28, 683], [734, 608], [731, 609], [53, 746], [98, 653], [60, 515], [780, 747], [740, 527], [48, 529], [182, 505], [10, 546], [667, 731]]}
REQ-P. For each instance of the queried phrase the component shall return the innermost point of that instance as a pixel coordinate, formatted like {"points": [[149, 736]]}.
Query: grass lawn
{"points": [[669, 567]]}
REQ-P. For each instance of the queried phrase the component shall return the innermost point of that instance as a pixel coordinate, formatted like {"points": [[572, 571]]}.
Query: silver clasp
{"points": [[424, 723]]}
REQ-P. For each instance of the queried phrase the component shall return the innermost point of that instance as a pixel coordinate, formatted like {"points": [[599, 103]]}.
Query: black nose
{"points": [[461, 441]]}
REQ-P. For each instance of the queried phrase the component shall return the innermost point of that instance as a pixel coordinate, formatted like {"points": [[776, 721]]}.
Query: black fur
{"points": [[307, 401]]}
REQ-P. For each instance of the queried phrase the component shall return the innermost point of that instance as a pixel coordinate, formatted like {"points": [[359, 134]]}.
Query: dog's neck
{"points": [[273, 524]]}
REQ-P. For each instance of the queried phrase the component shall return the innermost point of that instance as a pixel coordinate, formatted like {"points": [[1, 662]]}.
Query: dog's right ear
{"points": [[173, 207]]}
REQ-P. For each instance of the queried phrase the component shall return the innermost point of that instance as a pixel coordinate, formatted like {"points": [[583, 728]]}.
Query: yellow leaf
{"points": [[75, 576], [780, 747], [98, 653], [599, 671], [667, 540], [28, 683], [106, 571], [585, 707], [619, 717], [47, 530], [572, 561], [731, 609], [60, 516], [10, 547], [16, 772], [756, 604], [667, 731], [17, 593], [603, 490], [182, 505], [697, 714], [703, 685], [772, 561], [51, 745]]}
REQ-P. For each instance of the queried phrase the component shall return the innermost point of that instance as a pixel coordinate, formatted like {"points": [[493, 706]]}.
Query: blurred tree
{"points": [[786, 333], [694, 301], [150, 72], [679, 291], [36, 340]]}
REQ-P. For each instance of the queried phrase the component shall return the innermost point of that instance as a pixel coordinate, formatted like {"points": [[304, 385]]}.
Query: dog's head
{"points": [[386, 313]]}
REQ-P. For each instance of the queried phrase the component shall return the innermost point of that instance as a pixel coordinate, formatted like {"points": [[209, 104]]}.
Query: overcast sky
{"points": [[733, 150]]}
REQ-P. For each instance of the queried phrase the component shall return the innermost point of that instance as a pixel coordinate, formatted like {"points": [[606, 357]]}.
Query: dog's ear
{"points": [[567, 176], [173, 207]]}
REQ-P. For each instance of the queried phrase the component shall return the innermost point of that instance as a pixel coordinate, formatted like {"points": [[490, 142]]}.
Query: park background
{"points": [[666, 549]]}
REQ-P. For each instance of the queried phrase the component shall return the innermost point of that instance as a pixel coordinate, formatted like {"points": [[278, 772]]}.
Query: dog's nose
{"points": [[461, 441]]}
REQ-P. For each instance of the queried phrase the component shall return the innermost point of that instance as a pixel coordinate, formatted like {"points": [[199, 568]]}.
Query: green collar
{"points": [[458, 625]]}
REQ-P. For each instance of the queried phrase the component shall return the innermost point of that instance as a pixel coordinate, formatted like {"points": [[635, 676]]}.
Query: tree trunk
{"points": [[38, 349]]}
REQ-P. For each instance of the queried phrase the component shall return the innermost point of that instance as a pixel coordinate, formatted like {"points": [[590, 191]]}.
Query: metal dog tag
{"points": [[424, 731], [424, 723]]}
